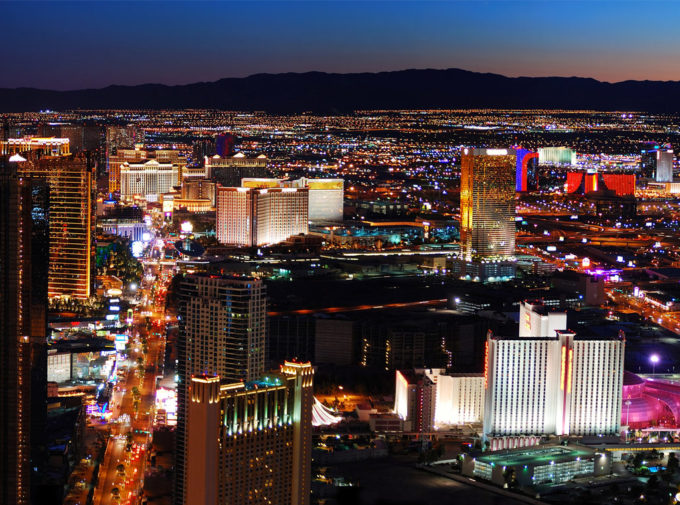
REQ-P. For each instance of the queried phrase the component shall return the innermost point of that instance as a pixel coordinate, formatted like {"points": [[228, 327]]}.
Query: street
{"points": [[121, 474]]}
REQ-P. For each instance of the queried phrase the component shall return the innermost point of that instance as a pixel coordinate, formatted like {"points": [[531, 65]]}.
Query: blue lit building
{"points": [[527, 170]]}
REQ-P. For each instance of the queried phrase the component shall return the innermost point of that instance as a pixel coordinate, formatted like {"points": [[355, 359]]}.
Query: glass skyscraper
{"points": [[487, 204], [71, 225]]}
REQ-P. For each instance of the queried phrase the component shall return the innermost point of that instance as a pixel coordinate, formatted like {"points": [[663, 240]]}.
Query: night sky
{"points": [[57, 45]]}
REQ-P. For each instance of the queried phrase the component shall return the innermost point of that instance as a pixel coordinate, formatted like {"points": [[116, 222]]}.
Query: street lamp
{"points": [[654, 358]]}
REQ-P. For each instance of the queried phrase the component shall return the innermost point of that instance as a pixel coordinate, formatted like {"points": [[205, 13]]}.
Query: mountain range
{"points": [[337, 93]]}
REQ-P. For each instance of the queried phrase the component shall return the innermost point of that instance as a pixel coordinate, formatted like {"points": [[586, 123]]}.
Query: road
{"points": [[121, 474], [665, 319]]}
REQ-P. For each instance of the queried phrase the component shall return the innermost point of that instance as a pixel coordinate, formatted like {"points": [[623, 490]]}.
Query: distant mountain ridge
{"points": [[328, 92]]}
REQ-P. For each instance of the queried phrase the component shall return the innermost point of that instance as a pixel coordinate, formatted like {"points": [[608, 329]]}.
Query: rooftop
{"points": [[535, 456]]}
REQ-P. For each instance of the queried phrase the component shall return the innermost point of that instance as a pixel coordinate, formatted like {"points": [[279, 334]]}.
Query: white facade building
{"points": [[415, 400], [459, 400], [558, 385], [326, 198], [596, 369], [556, 156], [428, 399], [522, 377], [664, 165], [533, 385], [149, 179], [537, 320], [134, 230]]}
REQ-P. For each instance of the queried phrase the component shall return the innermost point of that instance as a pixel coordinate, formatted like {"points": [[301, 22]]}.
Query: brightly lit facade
{"points": [[139, 157], [326, 199], [548, 381], [47, 146], [594, 399], [556, 156], [228, 171], [664, 165], [487, 204], [71, 182], [522, 379], [537, 320], [148, 179], [253, 217], [459, 400], [222, 331], [526, 177], [429, 399], [326, 196], [552, 464], [414, 400], [561, 385], [250, 442]]}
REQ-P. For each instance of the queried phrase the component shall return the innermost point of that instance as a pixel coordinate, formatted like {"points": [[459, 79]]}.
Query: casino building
{"points": [[250, 442]]}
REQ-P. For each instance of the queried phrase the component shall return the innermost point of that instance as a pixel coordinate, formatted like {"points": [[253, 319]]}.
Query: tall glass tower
{"points": [[487, 204], [70, 180], [222, 331]]}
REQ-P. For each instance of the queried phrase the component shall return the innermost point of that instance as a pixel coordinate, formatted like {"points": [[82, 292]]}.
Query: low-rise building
{"points": [[529, 466]]}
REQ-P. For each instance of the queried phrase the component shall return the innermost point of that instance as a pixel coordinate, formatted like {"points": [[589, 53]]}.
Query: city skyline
{"points": [[342, 252], [509, 38], [511, 319]]}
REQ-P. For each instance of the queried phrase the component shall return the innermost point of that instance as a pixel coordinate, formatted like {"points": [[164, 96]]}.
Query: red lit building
{"points": [[622, 184], [591, 182]]}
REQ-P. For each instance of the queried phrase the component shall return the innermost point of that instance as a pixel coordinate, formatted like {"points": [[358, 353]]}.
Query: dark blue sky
{"points": [[59, 45]]}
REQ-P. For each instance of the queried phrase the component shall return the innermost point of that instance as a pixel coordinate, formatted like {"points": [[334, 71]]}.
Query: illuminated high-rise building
{"points": [[426, 399], [138, 157], [253, 217], [70, 180], [556, 156], [487, 204], [49, 146], [538, 320], [264, 429], [559, 384], [147, 179], [527, 170], [326, 196], [228, 170], [415, 400], [664, 165], [222, 331], [15, 336]]}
